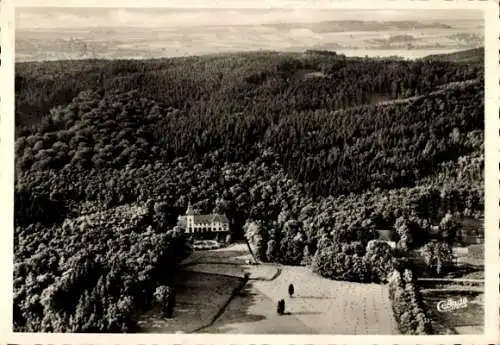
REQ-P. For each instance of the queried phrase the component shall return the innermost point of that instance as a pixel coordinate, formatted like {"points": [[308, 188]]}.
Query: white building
{"points": [[195, 223]]}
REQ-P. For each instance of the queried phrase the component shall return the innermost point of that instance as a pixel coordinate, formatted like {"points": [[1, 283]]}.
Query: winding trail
{"points": [[320, 306], [204, 266], [219, 292]]}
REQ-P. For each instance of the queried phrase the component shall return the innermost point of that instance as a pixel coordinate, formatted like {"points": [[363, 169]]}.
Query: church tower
{"points": [[190, 217], [190, 210]]}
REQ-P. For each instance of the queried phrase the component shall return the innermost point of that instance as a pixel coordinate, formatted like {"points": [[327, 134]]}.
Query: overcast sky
{"points": [[71, 17]]}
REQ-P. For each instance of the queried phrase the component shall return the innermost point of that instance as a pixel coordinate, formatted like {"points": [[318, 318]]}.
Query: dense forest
{"points": [[307, 154]]}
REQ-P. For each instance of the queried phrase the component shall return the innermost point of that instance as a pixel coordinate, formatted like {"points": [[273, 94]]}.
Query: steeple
{"points": [[189, 210]]}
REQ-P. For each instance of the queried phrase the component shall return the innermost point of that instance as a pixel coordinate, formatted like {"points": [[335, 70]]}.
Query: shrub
{"points": [[164, 295], [254, 233], [448, 228], [291, 251], [333, 264], [306, 257], [272, 247], [380, 258], [407, 304], [437, 256]]}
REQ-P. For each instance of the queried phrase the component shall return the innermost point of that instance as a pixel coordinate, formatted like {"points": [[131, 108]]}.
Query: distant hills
{"points": [[405, 38], [470, 55], [360, 25]]}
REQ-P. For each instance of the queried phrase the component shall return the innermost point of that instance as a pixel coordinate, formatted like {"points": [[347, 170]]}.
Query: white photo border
{"points": [[491, 177]]}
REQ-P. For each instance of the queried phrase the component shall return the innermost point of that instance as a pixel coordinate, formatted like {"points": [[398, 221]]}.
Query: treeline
{"points": [[91, 273], [331, 153], [258, 190], [387, 146], [118, 148], [251, 82], [296, 150], [103, 148]]}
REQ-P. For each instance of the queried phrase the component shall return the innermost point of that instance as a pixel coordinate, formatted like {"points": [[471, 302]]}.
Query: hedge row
{"points": [[352, 262], [407, 304]]}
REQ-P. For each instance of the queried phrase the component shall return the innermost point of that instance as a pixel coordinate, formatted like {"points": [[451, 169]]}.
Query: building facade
{"points": [[199, 224]]}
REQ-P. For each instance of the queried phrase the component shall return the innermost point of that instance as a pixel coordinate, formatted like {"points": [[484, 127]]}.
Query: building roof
{"points": [[386, 234], [205, 218], [209, 218], [219, 218]]}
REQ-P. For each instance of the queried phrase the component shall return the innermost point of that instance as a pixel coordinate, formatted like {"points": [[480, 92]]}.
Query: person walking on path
{"points": [[281, 307], [291, 290]]}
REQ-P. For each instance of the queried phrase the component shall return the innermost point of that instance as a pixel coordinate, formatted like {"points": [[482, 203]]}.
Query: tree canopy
{"points": [[309, 155]]}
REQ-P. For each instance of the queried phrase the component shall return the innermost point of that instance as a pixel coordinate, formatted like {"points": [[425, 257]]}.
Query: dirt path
{"points": [[319, 306], [333, 307], [251, 312]]}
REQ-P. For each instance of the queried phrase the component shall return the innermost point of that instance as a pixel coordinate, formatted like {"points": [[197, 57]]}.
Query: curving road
{"points": [[319, 306]]}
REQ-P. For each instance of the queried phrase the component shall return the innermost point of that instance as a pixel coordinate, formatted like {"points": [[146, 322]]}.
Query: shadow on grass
{"points": [[246, 311], [302, 313], [228, 256], [238, 311], [200, 299], [251, 312]]}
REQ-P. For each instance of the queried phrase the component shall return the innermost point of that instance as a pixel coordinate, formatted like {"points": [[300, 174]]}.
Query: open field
{"points": [[319, 306], [333, 307], [229, 261], [253, 312], [199, 298], [237, 254], [217, 268], [118, 41], [261, 272]]}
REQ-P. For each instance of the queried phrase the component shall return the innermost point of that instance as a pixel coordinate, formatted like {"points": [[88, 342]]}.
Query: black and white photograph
{"points": [[267, 170]]}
